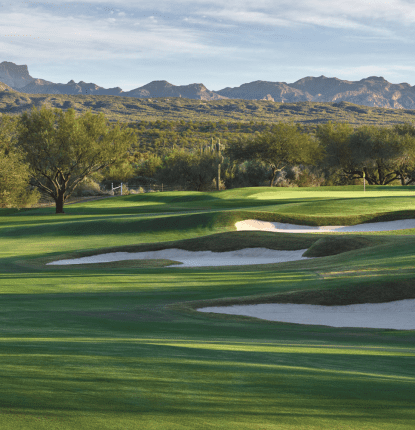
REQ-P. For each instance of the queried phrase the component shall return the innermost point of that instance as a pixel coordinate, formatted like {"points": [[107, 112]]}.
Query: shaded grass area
{"points": [[328, 293], [332, 245], [200, 385], [387, 290], [193, 383], [120, 345], [92, 360]]}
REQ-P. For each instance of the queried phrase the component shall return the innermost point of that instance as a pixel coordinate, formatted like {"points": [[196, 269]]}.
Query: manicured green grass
{"points": [[120, 346]]}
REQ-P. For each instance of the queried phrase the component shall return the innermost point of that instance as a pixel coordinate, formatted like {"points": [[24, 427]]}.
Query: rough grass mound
{"points": [[332, 245]]}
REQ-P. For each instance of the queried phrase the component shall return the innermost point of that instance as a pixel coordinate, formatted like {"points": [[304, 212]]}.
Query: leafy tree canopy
{"points": [[14, 173], [381, 155], [62, 149], [283, 146], [194, 171]]}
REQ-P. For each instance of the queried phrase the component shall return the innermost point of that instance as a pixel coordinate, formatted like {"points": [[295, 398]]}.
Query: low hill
{"points": [[131, 109], [5, 88], [39, 86], [166, 89]]}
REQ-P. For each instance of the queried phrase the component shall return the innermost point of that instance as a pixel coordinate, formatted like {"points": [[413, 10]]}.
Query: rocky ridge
{"points": [[372, 91]]}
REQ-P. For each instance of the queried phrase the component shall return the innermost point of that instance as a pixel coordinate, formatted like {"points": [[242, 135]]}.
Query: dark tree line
{"points": [[332, 154]]}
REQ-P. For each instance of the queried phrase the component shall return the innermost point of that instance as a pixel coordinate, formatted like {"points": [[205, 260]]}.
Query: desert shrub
{"points": [[251, 173], [300, 176], [192, 171], [88, 187], [139, 190]]}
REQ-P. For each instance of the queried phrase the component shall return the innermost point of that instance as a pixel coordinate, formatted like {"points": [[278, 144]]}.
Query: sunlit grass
{"points": [[249, 385], [121, 345]]}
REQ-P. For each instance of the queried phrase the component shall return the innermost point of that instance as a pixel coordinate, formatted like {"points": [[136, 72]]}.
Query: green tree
{"points": [[382, 154], [405, 159], [121, 171], [251, 173], [284, 146], [149, 165], [404, 129], [62, 148], [334, 138], [14, 172], [373, 151], [194, 171]]}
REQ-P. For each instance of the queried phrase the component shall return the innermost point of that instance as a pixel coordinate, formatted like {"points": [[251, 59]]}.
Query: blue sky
{"points": [[128, 43]]}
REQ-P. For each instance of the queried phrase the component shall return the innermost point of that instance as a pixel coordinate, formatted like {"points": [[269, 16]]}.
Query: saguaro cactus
{"points": [[220, 158]]}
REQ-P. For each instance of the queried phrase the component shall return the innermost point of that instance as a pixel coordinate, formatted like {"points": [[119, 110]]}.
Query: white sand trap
{"points": [[196, 258], [398, 315], [253, 224]]}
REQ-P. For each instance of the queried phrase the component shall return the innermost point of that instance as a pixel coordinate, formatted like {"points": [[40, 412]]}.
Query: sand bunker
{"points": [[252, 224], [196, 258], [245, 256], [398, 315]]}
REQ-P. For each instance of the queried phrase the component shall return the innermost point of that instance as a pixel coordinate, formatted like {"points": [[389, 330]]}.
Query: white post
{"points": [[121, 188], [364, 182]]}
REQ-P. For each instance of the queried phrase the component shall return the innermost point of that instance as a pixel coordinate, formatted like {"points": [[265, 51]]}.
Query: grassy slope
{"points": [[117, 346]]}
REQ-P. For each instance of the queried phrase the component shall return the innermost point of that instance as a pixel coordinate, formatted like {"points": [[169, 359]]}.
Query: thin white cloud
{"points": [[398, 11], [203, 22], [358, 15], [82, 37], [248, 17], [344, 23], [349, 14]]}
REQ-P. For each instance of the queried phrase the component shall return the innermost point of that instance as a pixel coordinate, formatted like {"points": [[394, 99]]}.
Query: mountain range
{"points": [[372, 91]]}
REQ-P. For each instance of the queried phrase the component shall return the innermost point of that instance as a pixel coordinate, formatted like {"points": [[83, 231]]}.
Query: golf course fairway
{"points": [[121, 345]]}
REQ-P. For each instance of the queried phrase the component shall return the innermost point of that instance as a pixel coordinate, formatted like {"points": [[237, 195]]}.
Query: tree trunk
{"points": [[59, 203], [274, 173], [381, 175]]}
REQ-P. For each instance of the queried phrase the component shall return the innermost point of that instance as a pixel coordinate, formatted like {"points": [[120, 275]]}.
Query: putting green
{"points": [[122, 346]]}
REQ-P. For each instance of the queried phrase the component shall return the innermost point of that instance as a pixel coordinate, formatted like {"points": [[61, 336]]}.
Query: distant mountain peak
{"points": [[160, 83], [370, 91], [375, 78], [14, 75]]}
